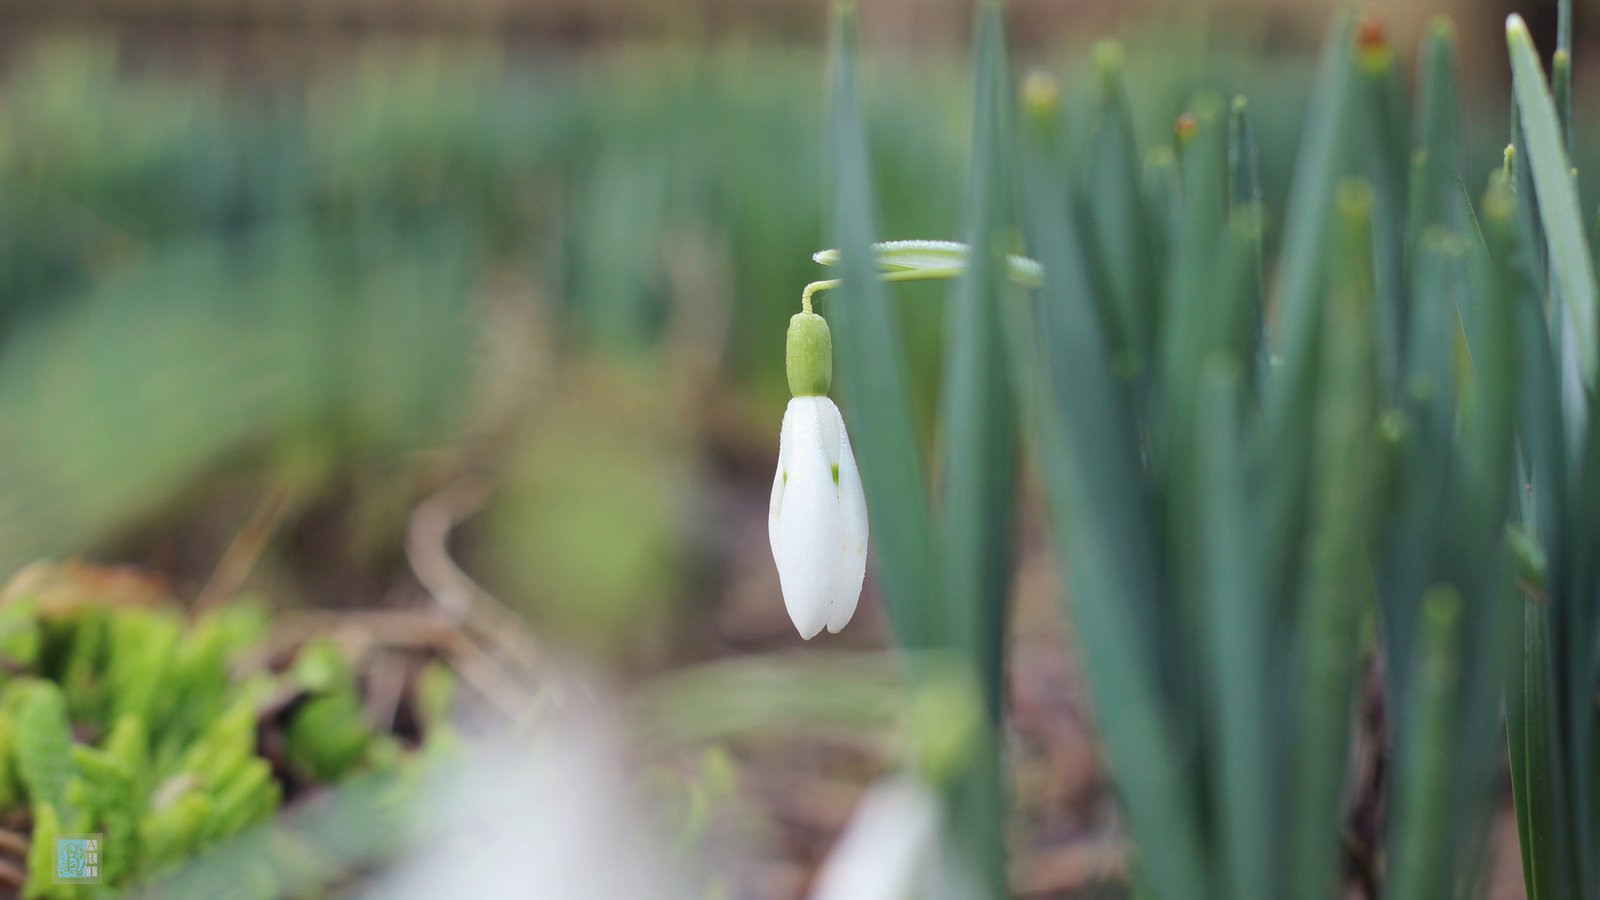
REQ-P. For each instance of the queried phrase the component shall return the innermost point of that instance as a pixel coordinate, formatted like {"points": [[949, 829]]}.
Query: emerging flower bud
{"points": [[818, 518]]}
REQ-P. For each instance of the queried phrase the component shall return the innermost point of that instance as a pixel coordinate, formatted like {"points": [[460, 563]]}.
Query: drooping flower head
{"points": [[817, 521]]}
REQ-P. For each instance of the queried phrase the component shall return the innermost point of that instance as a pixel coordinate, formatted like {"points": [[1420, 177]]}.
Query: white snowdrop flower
{"points": [[817, 521], [818, 518]]}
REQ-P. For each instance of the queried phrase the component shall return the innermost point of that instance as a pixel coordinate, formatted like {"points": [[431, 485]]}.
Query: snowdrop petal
{"points": [[804, 521], [852, 566], [779, 479], [817, 519]]}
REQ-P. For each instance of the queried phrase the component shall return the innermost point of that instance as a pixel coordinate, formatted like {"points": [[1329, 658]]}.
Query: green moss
{"points": [[128, 723]]}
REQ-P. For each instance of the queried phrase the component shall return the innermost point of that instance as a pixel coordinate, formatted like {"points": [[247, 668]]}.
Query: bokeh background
{"points": [[290, 288]]}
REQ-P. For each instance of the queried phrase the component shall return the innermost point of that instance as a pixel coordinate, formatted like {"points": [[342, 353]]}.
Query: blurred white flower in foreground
{"points": [[818, 517], [890, 849], [554, 819]]}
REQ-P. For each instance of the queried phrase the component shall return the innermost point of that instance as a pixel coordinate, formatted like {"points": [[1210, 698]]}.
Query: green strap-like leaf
{"points": [[1436, 164], [1335, 583], [978, 447], [1573, 267], [1237, 641], [1385, 128], [1290, 394], [1104, 528], [1422, 867], [1244, 189], [1119, 236], [872, 373]]}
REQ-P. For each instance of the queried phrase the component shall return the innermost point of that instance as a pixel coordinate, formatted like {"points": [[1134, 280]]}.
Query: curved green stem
{"points": [[817, 287]]}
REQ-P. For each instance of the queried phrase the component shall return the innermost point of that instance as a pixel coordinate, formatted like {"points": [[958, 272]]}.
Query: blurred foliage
{"points": [[124, 720], [291, 273], [296, 280], [309, 280], [296, 275], [595, 508]]}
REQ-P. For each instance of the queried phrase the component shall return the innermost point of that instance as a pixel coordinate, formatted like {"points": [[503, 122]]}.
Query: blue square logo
{"points": [[78, 859]]}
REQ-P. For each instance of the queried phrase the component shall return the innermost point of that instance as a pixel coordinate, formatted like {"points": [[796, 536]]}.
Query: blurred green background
{"points": [[300, 265]]}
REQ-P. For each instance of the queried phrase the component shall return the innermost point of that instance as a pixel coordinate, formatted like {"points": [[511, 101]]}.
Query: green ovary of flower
{"points": [[809, 355]]}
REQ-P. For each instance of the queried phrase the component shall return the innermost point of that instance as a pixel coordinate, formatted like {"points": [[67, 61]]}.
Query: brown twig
{"points": [[494, 635], [423, 630], [391, 628], [245, 550], [428, 550]]}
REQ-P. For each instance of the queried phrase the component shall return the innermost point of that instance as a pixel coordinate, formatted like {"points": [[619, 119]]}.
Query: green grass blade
{"points": [[1509, 235], [1547, 872], [1335, 586], [1517, 762], [1103, 525], [1580, 626], [1119, 233], [1580, 620], [1237, 639], [1423, 483], [872, 373], [977, 440], [1423, 810], [1325, 149], [1323, 154], [1163, 199], [1437, 161], [1550, 414], [1573, 267], [1384, 125], [1486, 446], [1520, 178], [1190, 324], [1244, 189], [1474, 319], [1203, 293], [1574, 618], [1193, 327], [1561, 71], [1244, 156]]}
